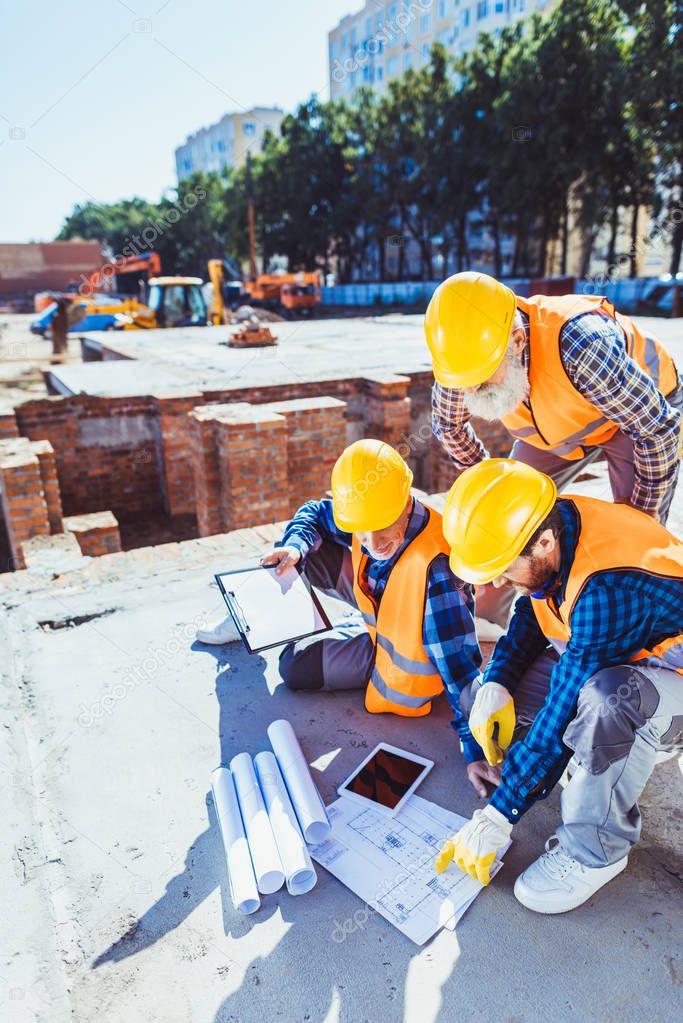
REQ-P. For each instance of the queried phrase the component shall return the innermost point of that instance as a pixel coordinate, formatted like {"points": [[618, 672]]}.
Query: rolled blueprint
{"points": [[264, 855], [299, 871], [309, 807], [241, 878]]}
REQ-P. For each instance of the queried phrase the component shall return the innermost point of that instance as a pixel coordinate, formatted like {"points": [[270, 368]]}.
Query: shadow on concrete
{"points": [[204, 867]]}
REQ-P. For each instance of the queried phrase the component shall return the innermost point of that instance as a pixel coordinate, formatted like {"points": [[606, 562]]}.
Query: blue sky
{"points": [[94, 96]]}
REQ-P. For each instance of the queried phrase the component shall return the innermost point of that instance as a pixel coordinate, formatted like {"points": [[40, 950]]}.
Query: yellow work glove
{"points": [[493, 705], [474, 847]]}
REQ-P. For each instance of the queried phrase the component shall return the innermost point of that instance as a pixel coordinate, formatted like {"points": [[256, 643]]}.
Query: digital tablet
{"points": [[386, 778]]}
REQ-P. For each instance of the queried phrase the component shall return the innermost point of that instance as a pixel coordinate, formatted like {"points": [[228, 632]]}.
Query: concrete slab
{"points": [[119, 908], [307, 350]]}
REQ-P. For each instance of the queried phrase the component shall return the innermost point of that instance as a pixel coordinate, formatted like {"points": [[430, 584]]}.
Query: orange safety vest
{"points": [[556, 416], [615, 537], [403, 681]]}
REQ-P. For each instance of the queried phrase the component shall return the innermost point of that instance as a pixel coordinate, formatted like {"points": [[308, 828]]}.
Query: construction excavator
{"points": [[128, 294], [289, 294]]}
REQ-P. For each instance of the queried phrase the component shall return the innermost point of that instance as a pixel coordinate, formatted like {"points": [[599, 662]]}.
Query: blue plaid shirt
{"points": [[616, 615], [594, 356], [448, 633]]}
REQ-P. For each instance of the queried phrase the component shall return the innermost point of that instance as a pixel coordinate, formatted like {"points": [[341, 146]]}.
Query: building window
{"points": [[392, 12], [249, 127], [482, 9], [425, 51], [392, 66], [407, 61], [366, 74], [466, 18], [378, 21], [379, 73], [442, 8], [424, 23], [500, 6]]}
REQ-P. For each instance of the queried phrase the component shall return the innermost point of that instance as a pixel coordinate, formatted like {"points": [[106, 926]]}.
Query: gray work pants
{"points": [[344, 657], [626, 715]]}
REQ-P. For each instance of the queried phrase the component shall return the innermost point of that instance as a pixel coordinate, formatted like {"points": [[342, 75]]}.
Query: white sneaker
{"points": [[556, 882], [221, 632]]}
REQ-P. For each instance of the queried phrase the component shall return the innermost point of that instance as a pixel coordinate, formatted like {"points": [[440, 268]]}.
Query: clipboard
{"points": [[270, 610]]}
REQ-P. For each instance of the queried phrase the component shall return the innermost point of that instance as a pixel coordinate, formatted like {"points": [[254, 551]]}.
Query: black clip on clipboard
{"points": [[260, 592]]}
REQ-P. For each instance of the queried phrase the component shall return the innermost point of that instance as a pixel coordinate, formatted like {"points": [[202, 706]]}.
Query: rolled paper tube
{"points": [[299, 871], [241, 878], [264, 855], [306, 800]]}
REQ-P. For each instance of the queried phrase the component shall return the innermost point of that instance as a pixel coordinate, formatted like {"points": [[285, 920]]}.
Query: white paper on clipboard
{"points": [[269, 609]]}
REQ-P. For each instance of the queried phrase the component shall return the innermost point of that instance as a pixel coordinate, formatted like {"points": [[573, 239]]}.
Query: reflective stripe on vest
{"points": [[651, 549], [557, 417], [404, 680], [396, 695]]}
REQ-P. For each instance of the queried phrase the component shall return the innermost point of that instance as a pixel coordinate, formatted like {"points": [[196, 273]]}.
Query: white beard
{"points": [[493, 401]]}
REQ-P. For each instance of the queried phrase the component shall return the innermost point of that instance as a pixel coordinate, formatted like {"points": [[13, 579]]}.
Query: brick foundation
{"points": [[176, 451], [24, 509], [316, 435], [48, 475], [252, 451], [96, 534], [8, 424]]}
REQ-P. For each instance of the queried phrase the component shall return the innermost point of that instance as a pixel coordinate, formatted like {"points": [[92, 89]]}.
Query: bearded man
{"points": [[570, 378]]}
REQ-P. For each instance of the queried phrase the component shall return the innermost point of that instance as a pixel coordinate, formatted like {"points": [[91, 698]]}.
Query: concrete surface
{"points": [[118, 908], [195, 358]]}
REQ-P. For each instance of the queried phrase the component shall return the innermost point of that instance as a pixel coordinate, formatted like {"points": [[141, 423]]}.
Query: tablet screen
{"points": [[385, 778]]}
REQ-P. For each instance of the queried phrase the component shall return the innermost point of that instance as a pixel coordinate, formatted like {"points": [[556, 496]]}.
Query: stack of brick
{"points": [[97, 533]]}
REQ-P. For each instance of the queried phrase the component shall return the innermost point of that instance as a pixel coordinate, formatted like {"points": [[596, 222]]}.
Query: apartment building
{"points": [[226, 143], [387, 37]]}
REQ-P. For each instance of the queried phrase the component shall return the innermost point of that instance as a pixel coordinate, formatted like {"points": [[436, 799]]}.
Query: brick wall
{"points": [[24, 509], [48, 476], [252, 451], [8, 424], [106, 450], [257, 463], [316, 435], [175, 444]]}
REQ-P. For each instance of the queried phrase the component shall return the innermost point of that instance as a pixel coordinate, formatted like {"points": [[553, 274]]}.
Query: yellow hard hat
{"points": [[468, 324], [370, 486], [491, 512]]}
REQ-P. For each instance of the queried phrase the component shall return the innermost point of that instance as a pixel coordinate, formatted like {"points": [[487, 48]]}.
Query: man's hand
{"points": [[474, 847], [481, 772], [281, 558], [493, 705]]}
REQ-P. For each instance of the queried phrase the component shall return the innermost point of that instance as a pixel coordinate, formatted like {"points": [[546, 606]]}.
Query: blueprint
{"points": [[389, 862]]}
